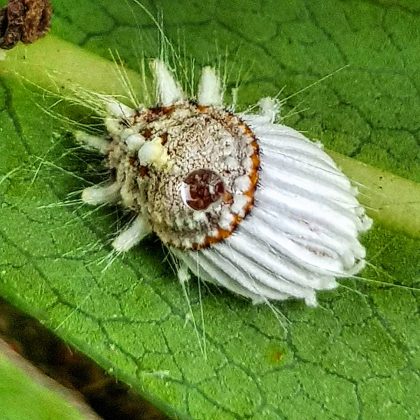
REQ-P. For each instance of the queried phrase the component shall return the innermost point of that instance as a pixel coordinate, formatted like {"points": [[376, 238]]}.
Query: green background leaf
{"points": [[26, 394], [358, 354]]}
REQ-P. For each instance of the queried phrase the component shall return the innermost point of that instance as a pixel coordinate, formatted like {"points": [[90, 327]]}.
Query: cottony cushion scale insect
{"points": [[239, 200]]}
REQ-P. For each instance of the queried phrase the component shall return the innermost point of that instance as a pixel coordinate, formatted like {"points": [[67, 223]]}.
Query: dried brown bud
{"points": [[24, 20]]}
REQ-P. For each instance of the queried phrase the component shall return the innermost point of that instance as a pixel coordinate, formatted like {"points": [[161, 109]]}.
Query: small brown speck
{"points": [[147, 133], [276, 356], [132, 160], [143, 171], [164, 138]]}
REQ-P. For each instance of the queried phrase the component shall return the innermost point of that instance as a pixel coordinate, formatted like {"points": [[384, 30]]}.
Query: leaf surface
{"points": [[355, 356]]}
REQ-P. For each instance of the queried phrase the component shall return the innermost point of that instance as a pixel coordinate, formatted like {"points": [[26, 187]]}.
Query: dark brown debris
{"points": [[24, 20]]}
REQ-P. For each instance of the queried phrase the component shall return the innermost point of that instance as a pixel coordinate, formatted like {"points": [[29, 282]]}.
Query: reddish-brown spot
{"points": [[202, 108], [162, 110], [202, 188], [147, 133], [276, 356], [228, 197], [164, 137], [158, 112], [143, 171]]}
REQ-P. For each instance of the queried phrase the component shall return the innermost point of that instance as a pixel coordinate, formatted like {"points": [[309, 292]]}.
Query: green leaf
{"points": [[26, 394], [358, 354]]}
